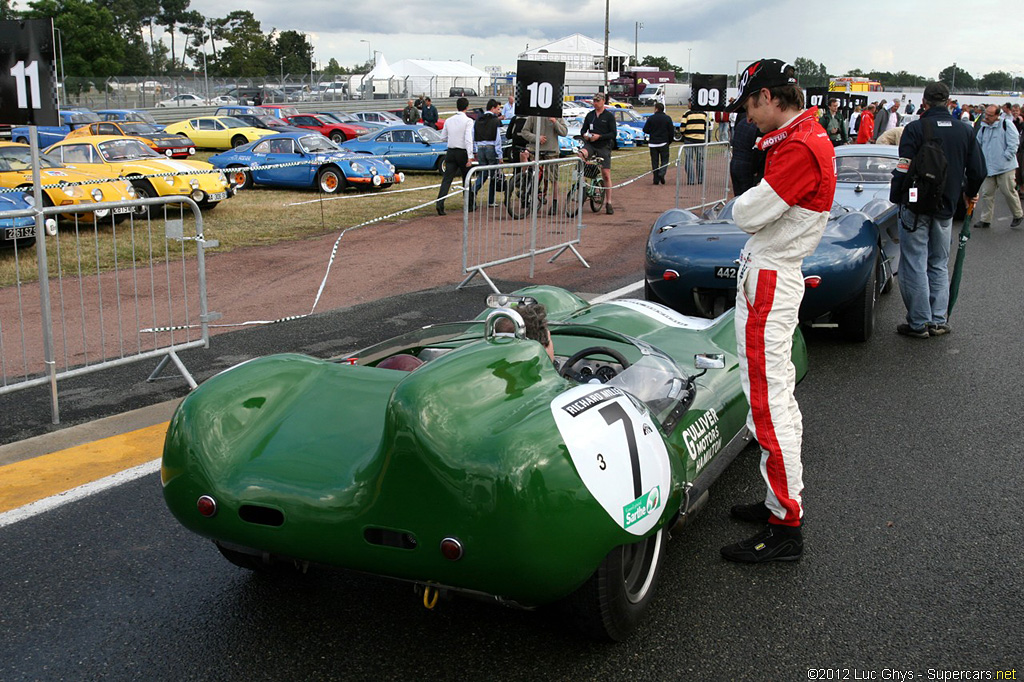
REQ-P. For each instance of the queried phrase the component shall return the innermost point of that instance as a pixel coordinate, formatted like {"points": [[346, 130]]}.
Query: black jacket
{"points": [[965, 164], [603, 125], [659, 128]]}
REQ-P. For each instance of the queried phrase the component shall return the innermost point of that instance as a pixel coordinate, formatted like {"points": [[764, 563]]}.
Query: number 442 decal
{"points": [[618, 453]]}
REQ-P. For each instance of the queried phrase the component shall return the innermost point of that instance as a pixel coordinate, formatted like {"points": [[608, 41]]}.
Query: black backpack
{"points": [[926, 177]]}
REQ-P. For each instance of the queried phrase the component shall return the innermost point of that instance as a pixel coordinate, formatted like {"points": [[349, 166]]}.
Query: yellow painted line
{"points": [[34, 479]]}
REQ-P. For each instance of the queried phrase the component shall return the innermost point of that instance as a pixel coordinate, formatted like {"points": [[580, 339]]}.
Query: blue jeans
{"points": [[924, 267], [693, 157], [487, 156]]}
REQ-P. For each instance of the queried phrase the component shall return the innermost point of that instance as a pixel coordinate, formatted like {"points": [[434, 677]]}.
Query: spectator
{"points": [[881, 115], [660, 131], [549, 129], [833, 124], [598, 133], [509, 108], [866, 125], [999, 140], [891, 136], [854, 121], [458, 133], [722, 126], [925, 239], [910, 108], [746, 168], [487, 137], [429, 114], [695, 134], [410, 114]]}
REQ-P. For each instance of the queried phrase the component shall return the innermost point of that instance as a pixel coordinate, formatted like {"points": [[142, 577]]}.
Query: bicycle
{"points": [[592, 184], [519, 191]]}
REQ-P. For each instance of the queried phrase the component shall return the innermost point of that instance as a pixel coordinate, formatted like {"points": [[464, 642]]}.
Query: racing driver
{"points": [[785, 214]]}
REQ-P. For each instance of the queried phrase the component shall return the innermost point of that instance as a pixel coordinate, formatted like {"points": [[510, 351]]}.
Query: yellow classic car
{"points": [[154, 136], [152, 175], [217, 132], [61, 184]]}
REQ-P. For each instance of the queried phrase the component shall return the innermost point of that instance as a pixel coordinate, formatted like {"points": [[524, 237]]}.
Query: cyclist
{"points": [[549, 129], [598, 133]]}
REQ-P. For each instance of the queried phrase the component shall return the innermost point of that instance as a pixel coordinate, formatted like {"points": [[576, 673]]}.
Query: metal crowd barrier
{"points": [[62, 317], [702, 175], [526, 218]]}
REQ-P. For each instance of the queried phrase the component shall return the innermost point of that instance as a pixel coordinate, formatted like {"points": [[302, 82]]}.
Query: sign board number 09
{"points": [[21, 74], [708, 97], [541, 94]]}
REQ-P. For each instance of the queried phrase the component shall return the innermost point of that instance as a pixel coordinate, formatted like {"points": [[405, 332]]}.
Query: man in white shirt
{"points": [[509, 109], [458, 133]]}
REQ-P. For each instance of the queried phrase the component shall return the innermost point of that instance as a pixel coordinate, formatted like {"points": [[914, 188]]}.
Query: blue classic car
{"points": [[128, 115], [409, 147], [20, 232], [303, 159], [71, 119], [691, 260]]}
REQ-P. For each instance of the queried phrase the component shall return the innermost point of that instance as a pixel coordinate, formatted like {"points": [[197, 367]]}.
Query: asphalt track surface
{"points": [[913, 566]]}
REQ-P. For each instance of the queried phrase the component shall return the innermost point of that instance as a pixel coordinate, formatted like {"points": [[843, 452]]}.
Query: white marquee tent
{"points": [[421, 76]]}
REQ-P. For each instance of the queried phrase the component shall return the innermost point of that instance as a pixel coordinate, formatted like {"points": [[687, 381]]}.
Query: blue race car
{"points": [[305, 159], [691, 261], [20, 232], [128, 115], [409, 147], [70, 119]]}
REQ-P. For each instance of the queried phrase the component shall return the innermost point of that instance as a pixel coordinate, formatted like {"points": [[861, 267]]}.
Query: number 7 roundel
{"points": [[618, 453]]}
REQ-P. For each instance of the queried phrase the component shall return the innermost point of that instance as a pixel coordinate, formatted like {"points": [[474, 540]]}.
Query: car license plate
{"points": [[218, 196], [726, 272], [124, 209], [20, 232]]}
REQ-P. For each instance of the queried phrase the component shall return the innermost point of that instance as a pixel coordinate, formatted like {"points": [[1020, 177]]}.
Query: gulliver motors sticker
{"points": [[618, 453]]}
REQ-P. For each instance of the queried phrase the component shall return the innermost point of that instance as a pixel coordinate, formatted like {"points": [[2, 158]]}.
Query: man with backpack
{"points": [[936, 153], [998, 139]]}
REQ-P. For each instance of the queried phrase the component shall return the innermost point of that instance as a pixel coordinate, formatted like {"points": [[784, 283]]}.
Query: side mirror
{"points": [[706, 361]]}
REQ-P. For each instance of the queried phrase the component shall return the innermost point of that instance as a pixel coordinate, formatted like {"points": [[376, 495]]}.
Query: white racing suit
{"points": [[785, 214]]}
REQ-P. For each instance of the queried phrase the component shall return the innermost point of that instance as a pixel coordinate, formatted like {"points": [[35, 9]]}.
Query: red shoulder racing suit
{"points": [[785, 214]]}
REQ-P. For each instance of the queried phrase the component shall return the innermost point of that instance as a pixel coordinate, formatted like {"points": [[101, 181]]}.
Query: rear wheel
{"points": [[241, 178], [597, 195], [330, 180], [858, 320], [616, 597], [442, 164], [337, 137], [572, 201], [518, 196]]}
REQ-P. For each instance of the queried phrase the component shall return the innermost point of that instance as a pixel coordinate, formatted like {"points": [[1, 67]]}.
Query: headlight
{"points": [[193, 183], [198, 195], [357, 167], [97, 194], [131, 192], [223, 178], [169, 180], [391, 166], [376, 181], [169, 152], [30, 200]]}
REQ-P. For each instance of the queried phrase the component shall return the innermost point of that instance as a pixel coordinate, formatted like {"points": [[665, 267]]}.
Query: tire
{"points": [[616, 597], [677, 135], [857, 322], [238, 141], [649, 294], [337, 137], [330, 180], [518, 196], [21, 140], [241, 178], [143, 190], [597, 195], [572, 201], [441, 165]]}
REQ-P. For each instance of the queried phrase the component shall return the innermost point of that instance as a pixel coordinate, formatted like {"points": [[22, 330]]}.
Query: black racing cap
{"points": [[764, 73]]}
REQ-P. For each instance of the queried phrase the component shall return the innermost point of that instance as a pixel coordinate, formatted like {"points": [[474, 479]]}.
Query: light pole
{"points": [[282, 73], [689, 75], [953, 83], [369, 56], [636, 42], [604, 87], [60, 51], [471, 54], [206, 79]]}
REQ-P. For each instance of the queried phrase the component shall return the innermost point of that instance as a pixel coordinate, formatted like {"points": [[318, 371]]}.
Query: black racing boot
{"points": [[775, 543]]}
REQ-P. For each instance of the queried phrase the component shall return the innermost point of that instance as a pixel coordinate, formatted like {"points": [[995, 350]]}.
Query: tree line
{"points": [[104, 38]]}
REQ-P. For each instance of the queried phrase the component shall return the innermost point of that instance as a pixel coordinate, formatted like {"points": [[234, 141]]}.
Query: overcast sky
{"points": [[919, 36]]}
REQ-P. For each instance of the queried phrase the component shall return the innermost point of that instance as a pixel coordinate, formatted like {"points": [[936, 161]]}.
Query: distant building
{"points": [[584, 61]]}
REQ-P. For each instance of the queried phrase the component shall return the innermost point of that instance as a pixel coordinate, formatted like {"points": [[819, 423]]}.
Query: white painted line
{"points": [[82, 491], [618, 293]]}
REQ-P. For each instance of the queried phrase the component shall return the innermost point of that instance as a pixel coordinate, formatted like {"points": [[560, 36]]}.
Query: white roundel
{"points": [[618, 453]]}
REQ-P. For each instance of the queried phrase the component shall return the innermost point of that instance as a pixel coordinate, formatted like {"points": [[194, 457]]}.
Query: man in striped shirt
{"points": [[695, 130]]}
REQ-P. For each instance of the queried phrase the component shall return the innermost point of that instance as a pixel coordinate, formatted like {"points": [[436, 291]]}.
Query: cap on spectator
{"points": [[936, 92], [764, 73]]}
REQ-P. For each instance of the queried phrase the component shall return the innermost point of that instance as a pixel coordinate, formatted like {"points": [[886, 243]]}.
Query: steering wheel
{"points": [[568, 372], [847, 174]]}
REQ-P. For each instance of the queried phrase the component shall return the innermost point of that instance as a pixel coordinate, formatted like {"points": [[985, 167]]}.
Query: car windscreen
{"points": [[231, 122], [430, 135], [865, 168], [139, 128], [83, 118], [316, 143], [20, 159], [123, 150]]}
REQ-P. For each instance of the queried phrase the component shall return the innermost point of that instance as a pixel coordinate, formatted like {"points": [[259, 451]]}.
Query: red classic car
{"points": [[338, 132]]}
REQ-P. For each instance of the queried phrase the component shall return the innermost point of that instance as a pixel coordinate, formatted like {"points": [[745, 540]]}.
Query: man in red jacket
{"points": [[785, 214]]}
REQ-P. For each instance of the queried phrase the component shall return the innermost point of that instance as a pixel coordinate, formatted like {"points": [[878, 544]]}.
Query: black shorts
{"points": [[603, 153]]}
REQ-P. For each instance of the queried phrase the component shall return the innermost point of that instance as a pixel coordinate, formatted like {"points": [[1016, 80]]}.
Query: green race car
{"points": [[478, 466]]}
